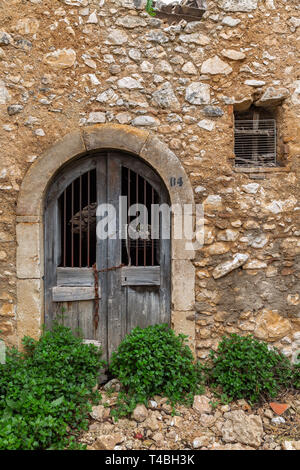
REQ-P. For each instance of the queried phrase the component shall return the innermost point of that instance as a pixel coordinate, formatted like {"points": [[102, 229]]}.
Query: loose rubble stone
{"points": [[189, 68], [228, 266], [272, 97], [97, 412], [229, 21], [201, 404], [238, 5], [165, 97], [14, 109], [278, 420], [117, 37], [93, 18], [198, 93], [242, 428], [195, 38], [255, 83], [76, 3], [233, 55], [4, 93], [291, 445], [129, 83], [131, 22], [108, 442], [157, 37], [112, 384], [201, 441], [61, 58], [27, 26], [96, 117], [213, 111], [206, 124], [271, 326], [145, 121], [5, 38], [215, 66], [140, 413]]}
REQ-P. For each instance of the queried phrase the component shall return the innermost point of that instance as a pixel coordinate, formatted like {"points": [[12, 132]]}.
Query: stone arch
{"points": [[30, 228]]}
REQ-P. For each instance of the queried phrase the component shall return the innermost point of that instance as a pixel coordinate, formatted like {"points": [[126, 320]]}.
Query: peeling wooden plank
{"points": [[71, 294], [140, 276], [75, 277]]}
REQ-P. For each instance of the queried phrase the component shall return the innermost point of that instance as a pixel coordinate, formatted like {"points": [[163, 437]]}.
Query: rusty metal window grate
{"points": [[78, 205], [77, 208], [255, 141], [142, 251]]}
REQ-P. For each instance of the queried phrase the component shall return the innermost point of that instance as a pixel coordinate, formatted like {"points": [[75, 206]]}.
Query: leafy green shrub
{"points": [[154, 361], [45, 393], [149, 8], [243, 367]]}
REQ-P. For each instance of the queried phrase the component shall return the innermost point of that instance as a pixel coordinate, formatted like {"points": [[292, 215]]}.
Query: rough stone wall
{"points": [[69, 63]]}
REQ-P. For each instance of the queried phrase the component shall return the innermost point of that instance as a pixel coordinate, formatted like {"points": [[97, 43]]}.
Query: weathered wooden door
{"points": [[104, 287]]}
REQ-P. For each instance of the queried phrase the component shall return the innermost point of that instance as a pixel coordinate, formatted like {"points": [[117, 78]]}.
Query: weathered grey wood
{"points": [[143, 169], [114, 298], [70, 173], [71, 294], [143, 307], [140, 276], [165, 268], [101, 257], [85, 319], [130, 296], [51, 257], [75, 277], [93, 342]]}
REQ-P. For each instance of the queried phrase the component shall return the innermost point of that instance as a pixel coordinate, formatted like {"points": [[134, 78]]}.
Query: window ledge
{"points": [[259, 169]]}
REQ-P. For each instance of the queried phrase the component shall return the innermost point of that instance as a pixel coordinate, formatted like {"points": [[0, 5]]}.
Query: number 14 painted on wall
{"points": [[176, 181]]}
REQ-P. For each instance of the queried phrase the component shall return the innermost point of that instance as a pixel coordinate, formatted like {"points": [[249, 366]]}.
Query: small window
{"points": [[77, 221], [189, 10], [255, 138]]}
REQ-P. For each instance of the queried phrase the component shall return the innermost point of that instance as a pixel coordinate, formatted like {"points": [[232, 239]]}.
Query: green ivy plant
{"points": [[243, 367], [46, 393], [154, 361], [149, 8]]}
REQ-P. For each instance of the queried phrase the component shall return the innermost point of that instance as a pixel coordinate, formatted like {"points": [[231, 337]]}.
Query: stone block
{"points": [[183, 322], [118, 136], [43, 169], [183, 291]]}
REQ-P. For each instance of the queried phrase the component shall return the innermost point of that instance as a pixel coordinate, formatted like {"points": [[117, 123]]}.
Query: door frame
{"points": [[30, 223], [68, 285]]}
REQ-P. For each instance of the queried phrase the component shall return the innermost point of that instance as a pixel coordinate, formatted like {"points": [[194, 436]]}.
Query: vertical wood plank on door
{"points": [[101, 256], [121, 307], [165, 269], [114, 257], [52, 251], [85, 318], [66, 313], [143, 307]]}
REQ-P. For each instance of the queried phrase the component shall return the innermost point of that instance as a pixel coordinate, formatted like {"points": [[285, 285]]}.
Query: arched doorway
{"points": [[104, 284], [30, 219]]}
